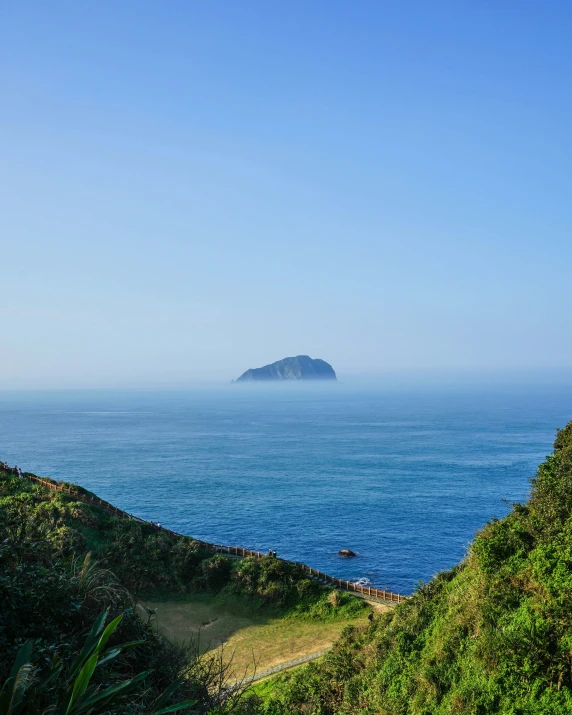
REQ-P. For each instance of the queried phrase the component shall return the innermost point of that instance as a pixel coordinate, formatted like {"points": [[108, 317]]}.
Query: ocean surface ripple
{"points": [[403, 478]]}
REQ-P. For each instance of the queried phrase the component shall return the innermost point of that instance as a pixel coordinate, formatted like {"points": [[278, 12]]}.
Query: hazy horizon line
{"points": [[388, 376]]}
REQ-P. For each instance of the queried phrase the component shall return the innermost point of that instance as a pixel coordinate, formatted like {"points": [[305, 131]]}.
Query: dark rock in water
{"points": [[300, 367], [346, 553]]}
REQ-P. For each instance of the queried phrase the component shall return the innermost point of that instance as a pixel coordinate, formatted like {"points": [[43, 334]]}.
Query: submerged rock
{"points": [[346, 553]]}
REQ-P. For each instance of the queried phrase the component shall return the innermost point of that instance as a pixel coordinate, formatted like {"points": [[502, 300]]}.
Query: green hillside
{"points": [[66, 565], [145, 558], [493, 635]]}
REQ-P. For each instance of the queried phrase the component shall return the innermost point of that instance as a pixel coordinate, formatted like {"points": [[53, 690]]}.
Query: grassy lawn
{"points": [[246, 634]]}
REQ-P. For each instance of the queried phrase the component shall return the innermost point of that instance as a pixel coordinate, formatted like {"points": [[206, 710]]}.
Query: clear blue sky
{"points": [[193, 188]]}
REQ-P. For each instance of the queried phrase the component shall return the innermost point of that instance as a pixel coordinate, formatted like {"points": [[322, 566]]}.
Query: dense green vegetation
{"points": [[493, 635], [285, 586], [63, 562], [49, 604], [146, 559]]}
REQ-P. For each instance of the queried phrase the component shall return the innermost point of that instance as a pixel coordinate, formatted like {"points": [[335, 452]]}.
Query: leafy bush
{"points": [[275, 582], [215, 573], [332, 605], [334, 599], [67, 688]]}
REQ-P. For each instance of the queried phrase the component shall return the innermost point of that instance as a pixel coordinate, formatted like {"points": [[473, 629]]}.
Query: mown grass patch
{"points": [[248, 634]]}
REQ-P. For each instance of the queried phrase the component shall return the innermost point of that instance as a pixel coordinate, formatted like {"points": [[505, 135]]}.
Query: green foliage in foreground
{"points": [[27, 690], [493, 635], [48, 605], [54, 659]]}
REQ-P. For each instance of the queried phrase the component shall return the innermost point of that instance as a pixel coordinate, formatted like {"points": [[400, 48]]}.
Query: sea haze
{"points": [[403, 477]]}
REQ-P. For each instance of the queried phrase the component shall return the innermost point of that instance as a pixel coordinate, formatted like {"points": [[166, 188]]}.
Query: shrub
{"points": [[68, 540], [215, 573], [274, 582], [334, 599], [186, 557]]}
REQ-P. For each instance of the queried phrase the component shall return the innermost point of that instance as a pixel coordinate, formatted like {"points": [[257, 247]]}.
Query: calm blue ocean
{"points": [[403, 477]]}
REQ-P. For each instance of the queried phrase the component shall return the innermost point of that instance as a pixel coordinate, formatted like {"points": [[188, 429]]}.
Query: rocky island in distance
{"points": [[301, 367]]}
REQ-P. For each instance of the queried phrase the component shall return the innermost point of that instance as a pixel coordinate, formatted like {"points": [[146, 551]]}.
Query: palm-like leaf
{"points": [[21, 691]]}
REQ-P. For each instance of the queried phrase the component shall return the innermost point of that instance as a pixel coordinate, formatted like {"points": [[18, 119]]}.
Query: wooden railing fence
{"points": [[364, 591]]}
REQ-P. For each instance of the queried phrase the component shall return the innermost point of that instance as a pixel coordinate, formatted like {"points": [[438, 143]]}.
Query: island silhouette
{"points": [[301, 367]]}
